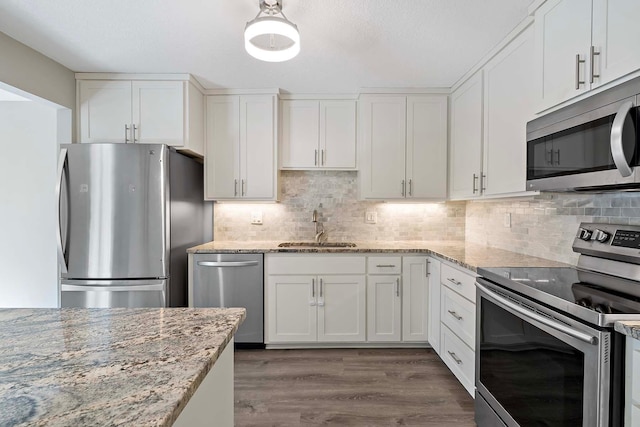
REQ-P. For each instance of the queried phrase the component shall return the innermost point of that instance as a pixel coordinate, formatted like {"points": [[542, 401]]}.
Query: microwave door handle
{"points": [[617, 151], [61, 166], [505, 303]]}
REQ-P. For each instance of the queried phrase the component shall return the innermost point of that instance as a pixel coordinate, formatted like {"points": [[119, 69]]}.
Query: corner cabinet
{"points": [[402, 147], [240, 149], [118, 110], [582, 45], [489, 113], [318, 134]]}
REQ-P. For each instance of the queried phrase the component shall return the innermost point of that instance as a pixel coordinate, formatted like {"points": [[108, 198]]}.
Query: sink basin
{"points": [[317, 245]]}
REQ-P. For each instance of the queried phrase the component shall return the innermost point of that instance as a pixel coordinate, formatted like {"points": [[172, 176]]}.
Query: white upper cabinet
{"points": [[240, 160], [563, 38], [508, 95], [141, 111], [583, 44], [426, 162], [489, 114], [318, 134], [615, 35], [105, 110], [466, 140], [402, 147]]}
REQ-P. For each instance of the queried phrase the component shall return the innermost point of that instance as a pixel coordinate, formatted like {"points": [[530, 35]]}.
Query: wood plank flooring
{"points": [[356, 387]]}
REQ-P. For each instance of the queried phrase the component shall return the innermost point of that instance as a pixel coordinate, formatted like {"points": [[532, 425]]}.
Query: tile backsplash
{"points": [[334, 195], [546, 225], [543, 225]]}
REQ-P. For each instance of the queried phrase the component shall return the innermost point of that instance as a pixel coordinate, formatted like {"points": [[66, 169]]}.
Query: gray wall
{"points": [[29, 70]]}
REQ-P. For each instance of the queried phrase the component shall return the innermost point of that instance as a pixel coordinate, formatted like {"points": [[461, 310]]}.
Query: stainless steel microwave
{"points": [[592, 145]]}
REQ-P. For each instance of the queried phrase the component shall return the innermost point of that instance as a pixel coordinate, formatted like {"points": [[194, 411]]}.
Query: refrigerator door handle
{"points": [[61, 250], [112, 288]]}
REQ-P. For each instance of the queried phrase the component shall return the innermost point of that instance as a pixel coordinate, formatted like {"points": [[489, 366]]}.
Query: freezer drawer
{"points": [[113, 294], [232, 280]]}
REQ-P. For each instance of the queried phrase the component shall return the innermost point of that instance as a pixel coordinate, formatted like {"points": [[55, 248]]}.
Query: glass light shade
{"points": [[272, 26]]}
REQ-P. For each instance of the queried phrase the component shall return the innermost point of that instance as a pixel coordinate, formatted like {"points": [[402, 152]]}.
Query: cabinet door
{"points": [[341, 308], [338, 134], [257, 147], [222, 155], [466, 139], [509, 95], [615, 34], [159, 112], [382, 145], [300, 135], [426, 161], [383, 308], [105, 110], [563, 30], [415, 299], [433, 277], [291, 309]]}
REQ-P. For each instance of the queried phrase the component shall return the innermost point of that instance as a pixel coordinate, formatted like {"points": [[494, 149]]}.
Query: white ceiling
{"points": [[346, 44]]}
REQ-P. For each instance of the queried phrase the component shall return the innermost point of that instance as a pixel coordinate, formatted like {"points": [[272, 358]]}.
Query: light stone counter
{"points": [[99, 367], [467, 255], [630, 329]]}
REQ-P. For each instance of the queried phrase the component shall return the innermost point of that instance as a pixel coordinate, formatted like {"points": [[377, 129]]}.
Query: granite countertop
{"points": [[467, 255], [64, 367], [631, 329]]}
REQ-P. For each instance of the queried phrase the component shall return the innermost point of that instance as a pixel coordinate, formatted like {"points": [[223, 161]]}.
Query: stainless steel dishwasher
{"points": [[232, 280]]}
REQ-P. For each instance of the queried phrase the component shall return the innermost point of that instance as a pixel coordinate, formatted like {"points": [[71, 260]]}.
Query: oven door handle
{"points": [[589, 339]]}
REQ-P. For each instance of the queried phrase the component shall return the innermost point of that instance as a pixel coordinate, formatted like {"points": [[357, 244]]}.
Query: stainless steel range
{"points": [[546, 352]]}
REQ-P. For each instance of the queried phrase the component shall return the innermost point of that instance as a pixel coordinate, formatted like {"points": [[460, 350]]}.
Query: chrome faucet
{"points": [[321, 236]]}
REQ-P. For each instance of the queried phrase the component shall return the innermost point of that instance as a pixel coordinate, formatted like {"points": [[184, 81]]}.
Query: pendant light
{"points": [[271, 37]]}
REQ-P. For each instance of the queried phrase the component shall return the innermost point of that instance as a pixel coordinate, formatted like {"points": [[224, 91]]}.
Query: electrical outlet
{"points": [[370, 217], [256, 217], [507, 220]]}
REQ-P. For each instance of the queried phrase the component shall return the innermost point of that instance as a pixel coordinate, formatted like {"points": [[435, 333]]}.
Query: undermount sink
{"points": [[317, 245]]}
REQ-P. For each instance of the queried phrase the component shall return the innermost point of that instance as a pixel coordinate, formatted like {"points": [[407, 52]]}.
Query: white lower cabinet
{"points": [[433, 274], [459, 358], [458, 323], [384, 310], [632, 383], [415, 299], [315, 298]]}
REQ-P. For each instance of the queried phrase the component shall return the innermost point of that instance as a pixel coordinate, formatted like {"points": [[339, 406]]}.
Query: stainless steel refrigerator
{"points": [[127, 214]]}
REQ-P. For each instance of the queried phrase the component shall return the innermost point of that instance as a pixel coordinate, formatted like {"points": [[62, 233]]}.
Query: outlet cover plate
{"points": [[370, 217], [256, 217]]}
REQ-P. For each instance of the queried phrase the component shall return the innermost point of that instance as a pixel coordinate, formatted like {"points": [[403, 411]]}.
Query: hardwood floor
{"points": [[358, 387]]}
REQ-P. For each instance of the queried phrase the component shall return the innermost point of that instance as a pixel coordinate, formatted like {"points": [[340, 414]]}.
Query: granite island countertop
{"points": [[85, 367], [468, 255]]}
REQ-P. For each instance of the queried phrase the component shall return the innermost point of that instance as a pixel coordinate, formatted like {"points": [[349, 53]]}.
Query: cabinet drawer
{"points": [[315, 264], [461, 282], [459, 315], [384, 265], [459, 358]]}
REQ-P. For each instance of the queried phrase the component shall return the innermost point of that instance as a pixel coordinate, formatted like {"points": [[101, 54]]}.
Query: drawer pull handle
{"points": [[455, 358], [454, 281], [454, 314], [385, 265]]}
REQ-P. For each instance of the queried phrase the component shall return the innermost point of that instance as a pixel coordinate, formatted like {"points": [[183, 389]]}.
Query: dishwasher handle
{"points": [[227, 263]]}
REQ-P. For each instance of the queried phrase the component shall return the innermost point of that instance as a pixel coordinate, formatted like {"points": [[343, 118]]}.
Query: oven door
{"points": [[537, 367], [595, 149]]}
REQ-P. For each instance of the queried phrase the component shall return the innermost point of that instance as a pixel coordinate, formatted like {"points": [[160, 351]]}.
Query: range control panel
{"points": [[612, 241], [626, 239]]}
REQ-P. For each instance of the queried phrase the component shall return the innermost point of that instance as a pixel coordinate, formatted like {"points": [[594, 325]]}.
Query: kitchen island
{"points": [[61, 367]]}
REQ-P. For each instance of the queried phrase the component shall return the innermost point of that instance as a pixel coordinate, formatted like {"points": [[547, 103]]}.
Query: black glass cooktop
{"points": [[586, 295]]}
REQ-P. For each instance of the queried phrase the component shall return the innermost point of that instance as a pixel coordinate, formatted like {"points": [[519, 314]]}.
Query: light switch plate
{"points": [[256, 217], [507, 220], [370, 217]]}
